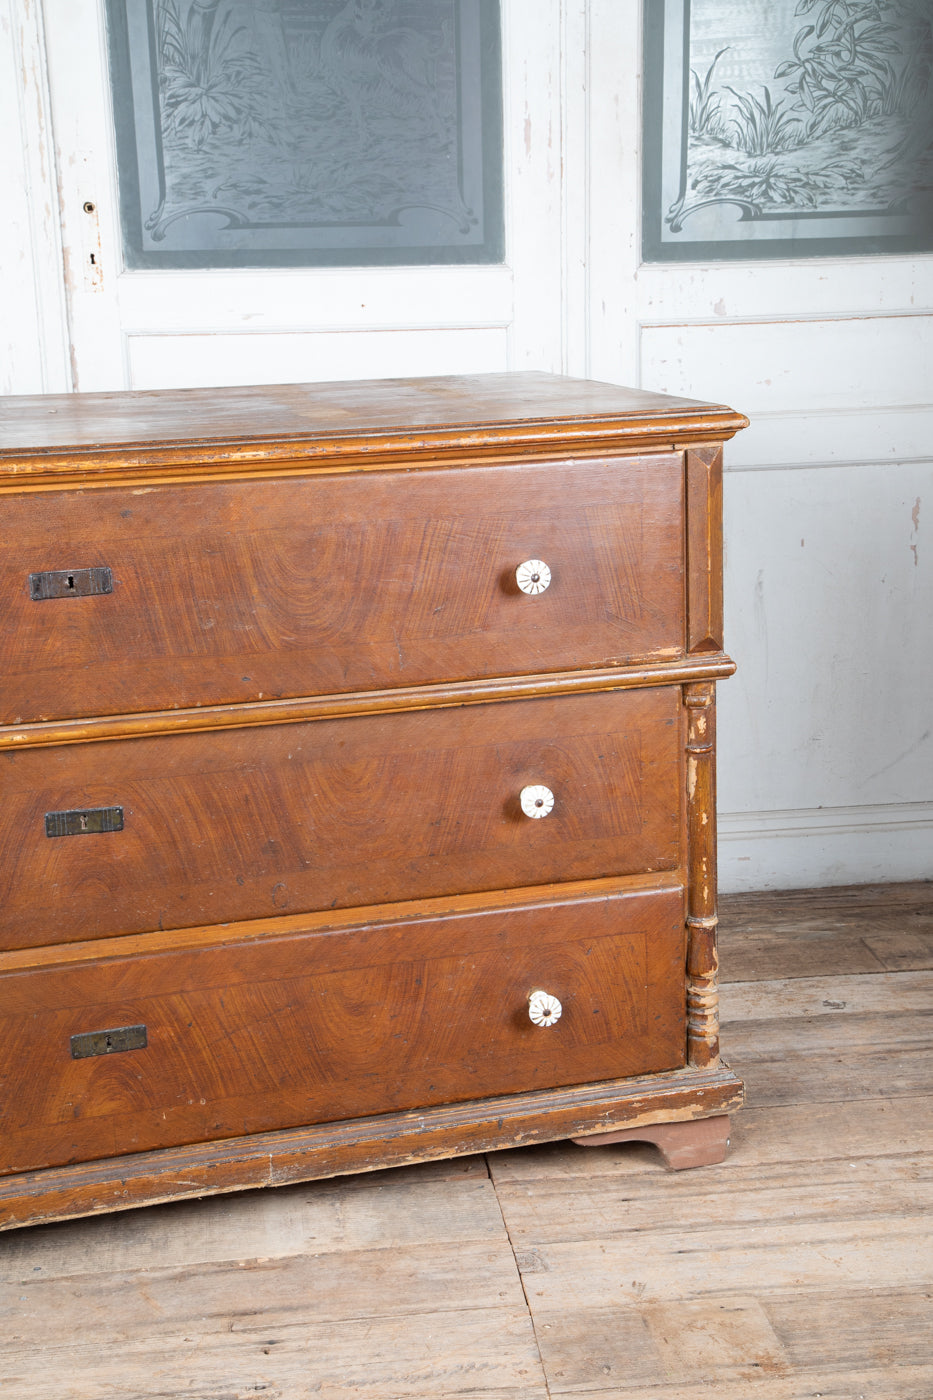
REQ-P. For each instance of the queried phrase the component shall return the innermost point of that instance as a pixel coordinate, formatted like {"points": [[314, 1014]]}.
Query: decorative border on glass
{"points": [[787, 128], [284, 133]]}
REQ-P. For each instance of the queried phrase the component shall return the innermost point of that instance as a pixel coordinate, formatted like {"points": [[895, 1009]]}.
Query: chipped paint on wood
{"points": [[34, 346], [92, 260]]}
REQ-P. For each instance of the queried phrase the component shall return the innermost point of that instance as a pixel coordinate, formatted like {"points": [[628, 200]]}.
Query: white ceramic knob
{"points": [[533, 576], [543, 1009], [537, 801]]}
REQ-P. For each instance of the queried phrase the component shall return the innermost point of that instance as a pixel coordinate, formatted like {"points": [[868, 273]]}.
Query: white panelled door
{"points": [[164, 328], [826, 740]]}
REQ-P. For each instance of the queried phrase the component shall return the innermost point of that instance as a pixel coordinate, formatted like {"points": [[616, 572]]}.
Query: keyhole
{"points": [[71, 582], [108, 1043], [83, 821]]}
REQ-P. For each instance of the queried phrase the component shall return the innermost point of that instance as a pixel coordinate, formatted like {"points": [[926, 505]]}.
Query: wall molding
{"points": [[790, 440], [31, 260], [807, 847]]}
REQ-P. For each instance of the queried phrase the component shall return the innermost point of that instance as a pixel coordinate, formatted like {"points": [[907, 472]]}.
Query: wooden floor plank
{"points": [[855, 929], [564, 1209], [906, 905], [824, 1058], [886, 993], [857, 1329], [897, 1382], [802, 1080], [760, 1138], [788, 1256], [821, 1035], [647, 1348], [483, 1352], [317, 1218], [115, 1307], [818, 1132], [700, 1341]]}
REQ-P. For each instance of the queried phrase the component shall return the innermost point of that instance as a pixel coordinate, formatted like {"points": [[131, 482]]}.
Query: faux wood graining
{"points": [[702, 921], [44, 438], [704, 548], [307, 708], [316, 1027], [238, 825], [447, 695], [802, 1266], [243, 591], [364, 1144]]}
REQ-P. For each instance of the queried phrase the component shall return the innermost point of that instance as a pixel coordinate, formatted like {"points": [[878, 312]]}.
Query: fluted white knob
{"points": [[543, 1009], [533, 576], [537, 801]]}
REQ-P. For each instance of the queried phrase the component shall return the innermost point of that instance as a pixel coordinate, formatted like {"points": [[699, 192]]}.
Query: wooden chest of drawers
{"points": [[358, 754]]}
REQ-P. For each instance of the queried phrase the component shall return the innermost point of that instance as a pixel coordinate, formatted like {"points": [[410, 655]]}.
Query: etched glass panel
{"points": [[776, 128], [307, 132]]}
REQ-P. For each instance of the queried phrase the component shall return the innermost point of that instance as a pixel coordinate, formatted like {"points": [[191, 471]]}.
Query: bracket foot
{"points": [[697, 1143]]}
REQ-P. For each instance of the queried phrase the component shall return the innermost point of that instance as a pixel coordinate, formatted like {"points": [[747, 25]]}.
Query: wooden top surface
{"points": [[357, 417]]}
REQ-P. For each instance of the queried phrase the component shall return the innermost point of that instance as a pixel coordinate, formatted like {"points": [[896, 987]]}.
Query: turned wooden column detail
{"points": [[702, 957]]}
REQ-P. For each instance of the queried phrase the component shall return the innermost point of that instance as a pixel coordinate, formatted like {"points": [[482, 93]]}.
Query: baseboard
{"points": [[811, 847]]}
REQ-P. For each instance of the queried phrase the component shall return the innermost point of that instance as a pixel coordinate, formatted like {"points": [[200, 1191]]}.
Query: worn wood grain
{"points": [[894, 1072], [252, 714], [800, 933], [775, 1347], [238, 1295], [561, 1209], [799, 1267], [819, 1059], [326, 586], [276, 637], [251, 1037], [762, 1140], [330, 1149], [900, 1383], [239, 824], [385, 1210], [47, 438], [780, 1257], [843, 995], [485, 1352], [704, 548], [702, 947]]}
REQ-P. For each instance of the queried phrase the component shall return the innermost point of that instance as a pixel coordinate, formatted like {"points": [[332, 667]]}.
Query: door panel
{"points": [[150, 329]]}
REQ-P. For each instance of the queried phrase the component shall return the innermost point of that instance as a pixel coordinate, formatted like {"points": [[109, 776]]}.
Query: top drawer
{"points": [[235, 591]]}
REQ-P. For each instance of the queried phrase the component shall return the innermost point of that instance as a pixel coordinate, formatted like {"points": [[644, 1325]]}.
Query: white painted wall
{"points": [[826, 768]]}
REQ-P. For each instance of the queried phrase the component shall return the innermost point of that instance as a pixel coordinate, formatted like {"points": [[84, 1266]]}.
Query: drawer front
{"points": [[120, 601], [313, 1028], [177, 831]]}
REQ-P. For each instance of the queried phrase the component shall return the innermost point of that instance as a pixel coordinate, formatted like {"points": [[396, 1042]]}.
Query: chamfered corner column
{"points": [[702, 956]]}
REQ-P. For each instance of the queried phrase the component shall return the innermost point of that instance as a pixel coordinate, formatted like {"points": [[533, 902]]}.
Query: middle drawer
{"points": [[174, 831]]}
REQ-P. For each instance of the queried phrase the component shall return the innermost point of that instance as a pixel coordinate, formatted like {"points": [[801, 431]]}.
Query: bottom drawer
{"points": [[314, 1025]]}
